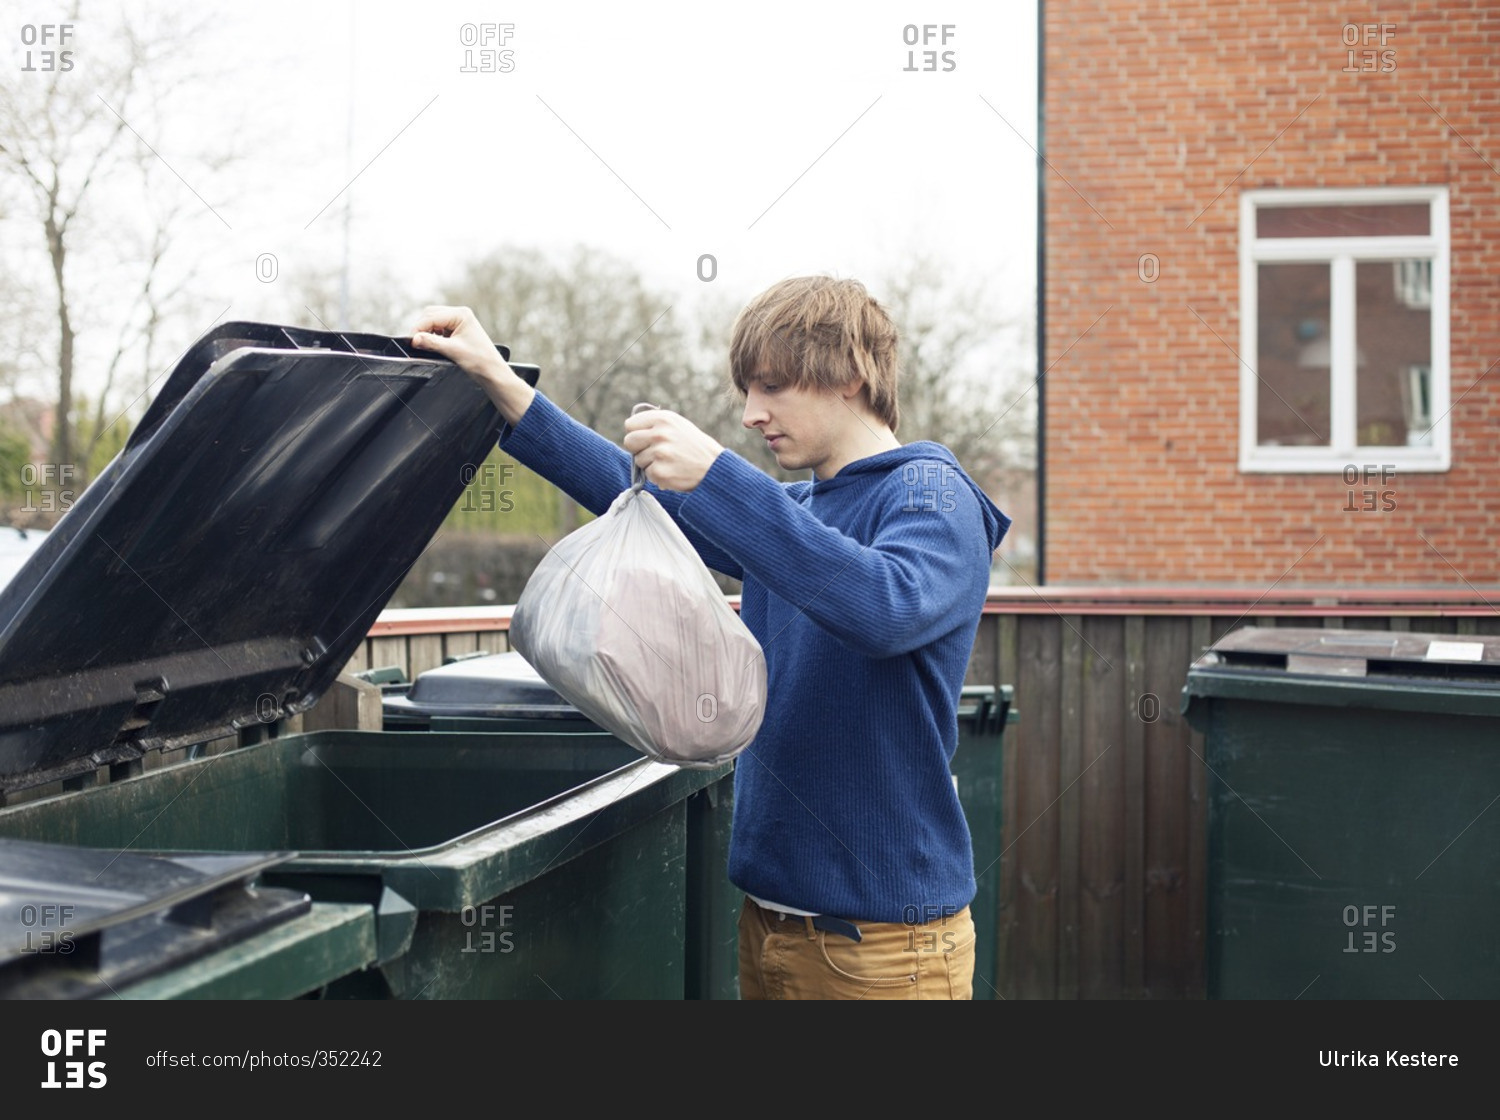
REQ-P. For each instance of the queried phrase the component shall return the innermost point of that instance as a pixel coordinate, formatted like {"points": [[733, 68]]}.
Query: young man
{"points": [[864, 586]]}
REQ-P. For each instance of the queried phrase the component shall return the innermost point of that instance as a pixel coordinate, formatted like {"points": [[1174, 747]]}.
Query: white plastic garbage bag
{"points": [[625, 621]]}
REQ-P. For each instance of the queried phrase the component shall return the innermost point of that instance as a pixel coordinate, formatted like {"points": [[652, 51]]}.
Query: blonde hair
{"points": [[818, 331]]}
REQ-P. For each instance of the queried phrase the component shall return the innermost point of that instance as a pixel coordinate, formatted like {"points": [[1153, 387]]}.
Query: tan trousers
{"points": [[785, 958]]}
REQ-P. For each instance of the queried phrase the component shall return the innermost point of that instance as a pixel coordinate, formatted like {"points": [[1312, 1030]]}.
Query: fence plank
{"points": [[1170, 645], [387, 652], [1197, 850], [983, 665], [423, 652], [1009, 655], [1101, 807], [1069, 813], [1033, 934], [457, 645], [1135, 715], [360, 661]]}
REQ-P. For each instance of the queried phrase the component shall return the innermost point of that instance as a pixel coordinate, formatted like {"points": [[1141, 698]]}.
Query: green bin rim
{"points": [[1401, 694]]}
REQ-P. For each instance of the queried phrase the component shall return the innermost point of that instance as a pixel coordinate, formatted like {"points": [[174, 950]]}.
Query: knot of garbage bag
{"points": [[638, 476]]}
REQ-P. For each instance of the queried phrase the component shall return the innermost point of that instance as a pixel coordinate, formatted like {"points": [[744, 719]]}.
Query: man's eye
{"points": [[769, 388]]}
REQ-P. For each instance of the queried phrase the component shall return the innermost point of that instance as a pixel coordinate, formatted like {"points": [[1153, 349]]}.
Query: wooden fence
{"points": [[1103, 789]]}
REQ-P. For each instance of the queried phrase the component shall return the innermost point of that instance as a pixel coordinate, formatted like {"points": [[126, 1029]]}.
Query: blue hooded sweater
{"points": [[864, 591]]}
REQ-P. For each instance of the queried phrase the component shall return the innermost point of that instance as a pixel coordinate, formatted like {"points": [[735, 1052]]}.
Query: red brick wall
{"points": [[1157, 116]]}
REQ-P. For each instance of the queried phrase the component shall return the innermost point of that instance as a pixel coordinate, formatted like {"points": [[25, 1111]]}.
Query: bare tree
{"points": [[963, 378], [74, 152], [603, 337], [378, 301], [154, 294]]}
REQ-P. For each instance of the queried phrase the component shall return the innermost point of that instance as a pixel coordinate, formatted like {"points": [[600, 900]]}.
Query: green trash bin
{"points": [[215, 579], [500, 699], [983, 714], [554, 868], [1351, 850]]}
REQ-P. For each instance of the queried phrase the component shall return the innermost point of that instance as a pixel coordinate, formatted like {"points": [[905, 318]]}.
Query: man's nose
{"points": [[754, 415]]}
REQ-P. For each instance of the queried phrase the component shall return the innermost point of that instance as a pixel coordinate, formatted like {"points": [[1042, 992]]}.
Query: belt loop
{"points": [[812, 931]]}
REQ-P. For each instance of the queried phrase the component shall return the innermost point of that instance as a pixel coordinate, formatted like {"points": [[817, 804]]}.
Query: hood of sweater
{"points": [[996, 523]]}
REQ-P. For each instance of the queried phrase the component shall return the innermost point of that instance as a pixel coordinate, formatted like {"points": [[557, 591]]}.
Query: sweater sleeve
{"points": [[592, 470], [916, 574]]}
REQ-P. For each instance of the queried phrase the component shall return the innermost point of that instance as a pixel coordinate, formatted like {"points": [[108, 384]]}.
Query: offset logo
{"points": [[48, 38], [74, 1071], [485, 50], [926, 35]]}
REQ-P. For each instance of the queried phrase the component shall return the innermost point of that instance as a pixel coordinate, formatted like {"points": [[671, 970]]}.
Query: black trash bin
{"points": [[1352, 849], [493, 692], [215, 579]]}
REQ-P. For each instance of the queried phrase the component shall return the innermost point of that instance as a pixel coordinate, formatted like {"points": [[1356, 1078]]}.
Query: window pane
{"points": [[1393, 341], [1292, 348], [1406, 219]]}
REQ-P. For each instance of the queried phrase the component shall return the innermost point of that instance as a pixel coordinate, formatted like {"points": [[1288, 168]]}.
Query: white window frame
{"points": [[1341, 254]]}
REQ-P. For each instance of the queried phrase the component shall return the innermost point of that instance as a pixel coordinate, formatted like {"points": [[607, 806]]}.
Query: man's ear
{"points": [[851, 388]]}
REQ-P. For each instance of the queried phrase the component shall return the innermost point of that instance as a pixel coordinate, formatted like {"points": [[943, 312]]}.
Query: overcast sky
{"points": [[790, 138]]}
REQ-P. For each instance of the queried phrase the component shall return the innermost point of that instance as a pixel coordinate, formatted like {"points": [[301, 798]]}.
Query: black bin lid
{"points": [[497, 684], [1445, 674], [1356, 653], [229, 561], [82, 922]]}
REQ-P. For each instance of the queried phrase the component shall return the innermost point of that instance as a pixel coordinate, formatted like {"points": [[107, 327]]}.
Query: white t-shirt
{"points": [[764, 905]]}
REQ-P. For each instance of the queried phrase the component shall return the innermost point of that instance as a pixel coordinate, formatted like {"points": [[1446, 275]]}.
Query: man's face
{"points": [[802, 426]]}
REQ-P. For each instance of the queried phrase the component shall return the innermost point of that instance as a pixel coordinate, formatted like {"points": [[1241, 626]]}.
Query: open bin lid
{"points": [[83, 922], [1448, 673], [497, 684], [225, 566]]}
